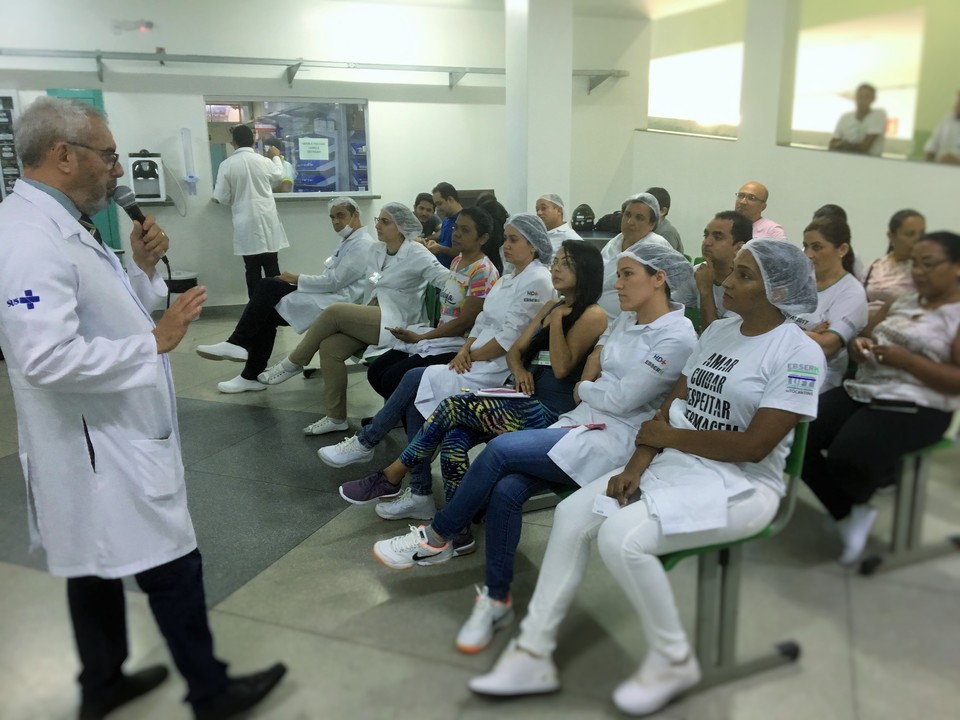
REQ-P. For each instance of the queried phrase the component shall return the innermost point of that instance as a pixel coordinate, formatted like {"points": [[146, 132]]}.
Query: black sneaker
{"points": [[463, 543], [241, 694], [123, 691]]}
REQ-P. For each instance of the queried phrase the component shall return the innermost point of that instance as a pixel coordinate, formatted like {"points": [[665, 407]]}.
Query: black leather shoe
{"points": [[241, 694], [122, 692]]}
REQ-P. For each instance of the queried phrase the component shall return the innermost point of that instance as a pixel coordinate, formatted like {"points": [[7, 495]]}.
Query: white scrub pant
{"points": [[629, 543]]}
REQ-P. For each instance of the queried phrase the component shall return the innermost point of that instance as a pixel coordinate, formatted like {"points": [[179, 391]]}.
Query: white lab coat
{"points": [[341, 281], [561, 233], [398, 289], [96, 412], [507, 311], [639, 365], [245, 183]]}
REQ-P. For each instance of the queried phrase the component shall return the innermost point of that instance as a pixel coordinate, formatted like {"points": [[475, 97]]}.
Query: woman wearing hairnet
{"points": [[640, 215], [625, 380], [398, 273], [707, 469]]}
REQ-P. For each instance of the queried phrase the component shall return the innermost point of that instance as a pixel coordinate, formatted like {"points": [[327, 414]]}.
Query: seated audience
{"points": [[841, 310], [494, 246], [665, 228], [446, 199], [722, 239], [472, 276], [426, 213], [751, 202], [626, 379], [861, 130], [944, 145], [546, 362], [902, 399], [399, 271], [891, 276], [831, 211], [707, 469], [550, 209], [296, 300], [480, 363]]}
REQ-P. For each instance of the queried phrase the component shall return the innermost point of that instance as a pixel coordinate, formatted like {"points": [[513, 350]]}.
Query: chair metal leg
{"points": [[718, 604], [906, 544]]}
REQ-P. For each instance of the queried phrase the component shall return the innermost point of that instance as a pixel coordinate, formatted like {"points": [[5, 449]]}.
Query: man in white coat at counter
{"points": [[296, 300], [245, 182], [96, 415]]}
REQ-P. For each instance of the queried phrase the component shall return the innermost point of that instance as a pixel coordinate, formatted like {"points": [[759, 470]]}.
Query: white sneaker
{"points": [[240, 384], [325, 425], [488, 615], [655, 684], [346, 452], [855, 531], [278, 374], [222, 351], [517, 672], [408, 505], [405, 551]]}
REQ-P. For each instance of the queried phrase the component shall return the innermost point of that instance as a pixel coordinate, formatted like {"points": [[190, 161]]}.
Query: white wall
{"points": [[420, 134]]}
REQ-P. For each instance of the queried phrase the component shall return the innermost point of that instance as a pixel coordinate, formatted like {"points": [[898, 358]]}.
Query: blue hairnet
{"points": [[534, 232], [406, 221], [654, 255], [787, 275]]}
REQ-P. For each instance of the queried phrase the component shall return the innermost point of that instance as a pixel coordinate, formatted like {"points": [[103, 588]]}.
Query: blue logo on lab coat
{"points": [[28, 299]]}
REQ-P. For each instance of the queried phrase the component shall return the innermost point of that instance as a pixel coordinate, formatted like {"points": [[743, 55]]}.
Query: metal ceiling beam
{"points": [[292, 67]]}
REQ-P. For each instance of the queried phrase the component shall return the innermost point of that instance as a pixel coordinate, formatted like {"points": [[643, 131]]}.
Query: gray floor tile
{"points": [[14, 535]]}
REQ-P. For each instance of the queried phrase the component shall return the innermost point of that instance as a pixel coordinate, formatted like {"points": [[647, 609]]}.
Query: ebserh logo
{"points": [[28, 299]]}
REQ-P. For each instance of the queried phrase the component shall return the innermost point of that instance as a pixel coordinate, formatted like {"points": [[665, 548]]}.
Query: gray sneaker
{"points": [[463, 543]]}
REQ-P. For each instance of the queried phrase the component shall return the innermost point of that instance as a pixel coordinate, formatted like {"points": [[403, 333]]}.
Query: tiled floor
{"points": [[290, 576]]}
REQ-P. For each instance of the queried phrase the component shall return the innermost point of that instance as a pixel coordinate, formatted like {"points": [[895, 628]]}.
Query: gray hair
{"points": [[343, 200], [47, 120]]}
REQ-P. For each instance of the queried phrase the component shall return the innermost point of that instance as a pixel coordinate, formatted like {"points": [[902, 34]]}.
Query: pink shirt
{"points": [[767, 228]]}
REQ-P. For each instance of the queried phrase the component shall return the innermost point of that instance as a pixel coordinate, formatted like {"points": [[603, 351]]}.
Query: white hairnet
{"points": [[648, 200], [406, 221], [343, 200], [655, 255], [551, 198], [534, 232], [787, 275]]}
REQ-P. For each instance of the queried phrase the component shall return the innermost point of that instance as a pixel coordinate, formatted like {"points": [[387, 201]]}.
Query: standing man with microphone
{"points": [[245, 182], [96, 411]]}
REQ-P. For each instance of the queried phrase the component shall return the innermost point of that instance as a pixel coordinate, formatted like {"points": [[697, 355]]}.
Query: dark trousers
{"points": [[863, 445], [257, 329], [253, 264], [385, 373], [175, 591]]}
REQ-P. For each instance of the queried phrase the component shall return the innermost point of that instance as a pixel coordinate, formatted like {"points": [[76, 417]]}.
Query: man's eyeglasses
{"points": [[748, 196], [109, 157]]}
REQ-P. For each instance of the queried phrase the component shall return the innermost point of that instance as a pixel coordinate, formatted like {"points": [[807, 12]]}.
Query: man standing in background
{"points": [[245, 182], [861, 131]]}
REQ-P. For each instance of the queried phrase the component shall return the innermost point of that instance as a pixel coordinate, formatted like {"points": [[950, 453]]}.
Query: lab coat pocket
{"points": [[158, 467]]}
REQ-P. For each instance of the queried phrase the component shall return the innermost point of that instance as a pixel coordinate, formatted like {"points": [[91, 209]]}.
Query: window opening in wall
{"points": [[324, 142], [833, 60], [697, 92]]}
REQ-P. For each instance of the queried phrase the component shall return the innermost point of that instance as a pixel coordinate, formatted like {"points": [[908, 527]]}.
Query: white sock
{"points": [[290, 366]]}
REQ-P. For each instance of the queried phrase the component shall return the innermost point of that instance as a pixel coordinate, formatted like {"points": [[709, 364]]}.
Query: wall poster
{"points": [[9, 167]]}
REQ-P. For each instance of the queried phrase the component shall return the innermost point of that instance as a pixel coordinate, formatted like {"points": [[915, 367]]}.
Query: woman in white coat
{"points": [[625, 379], [399, 272], [707, 469]]}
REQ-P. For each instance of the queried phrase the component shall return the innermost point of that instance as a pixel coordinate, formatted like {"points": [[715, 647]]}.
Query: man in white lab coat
{"points": [[245, 182], [96, 414]]}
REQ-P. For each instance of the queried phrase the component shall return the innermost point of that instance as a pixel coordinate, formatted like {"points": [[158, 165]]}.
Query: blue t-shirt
{"points": [[446, 238]]}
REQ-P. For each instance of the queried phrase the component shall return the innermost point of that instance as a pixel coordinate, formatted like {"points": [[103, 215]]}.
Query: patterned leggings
{"points": [[462, 421]]}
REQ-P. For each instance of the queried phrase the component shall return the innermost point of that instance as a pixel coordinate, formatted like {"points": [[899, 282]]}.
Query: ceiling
{"points": [[652, 9]]}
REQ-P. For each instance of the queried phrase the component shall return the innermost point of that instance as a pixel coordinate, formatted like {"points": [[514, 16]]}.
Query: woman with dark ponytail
{"points": [[841, 300]]}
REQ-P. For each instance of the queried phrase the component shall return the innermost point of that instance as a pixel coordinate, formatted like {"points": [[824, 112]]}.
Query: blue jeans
{"points": [[511, 469], [400, 406]]}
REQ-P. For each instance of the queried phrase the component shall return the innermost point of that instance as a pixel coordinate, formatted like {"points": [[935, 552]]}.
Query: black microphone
{"points": [[127, 199]]}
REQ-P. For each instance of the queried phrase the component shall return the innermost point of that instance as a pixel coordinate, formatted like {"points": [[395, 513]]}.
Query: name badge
{"points": [[542, 358]]}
